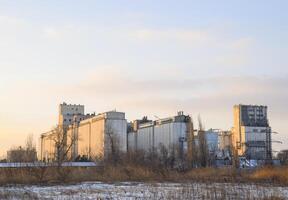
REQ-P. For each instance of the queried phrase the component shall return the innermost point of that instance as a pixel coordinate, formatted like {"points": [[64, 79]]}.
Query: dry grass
{"points": [[270, 174], [50, 175]]}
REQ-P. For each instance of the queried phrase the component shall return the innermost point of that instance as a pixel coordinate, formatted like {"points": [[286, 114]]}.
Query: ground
{"points": [[138, 190]]}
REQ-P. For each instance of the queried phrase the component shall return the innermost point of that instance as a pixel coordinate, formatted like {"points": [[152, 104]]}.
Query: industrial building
{"points": [[92, 135], [171, 133], [251, 132], [212, 140], [86, 135], [225, 140]]}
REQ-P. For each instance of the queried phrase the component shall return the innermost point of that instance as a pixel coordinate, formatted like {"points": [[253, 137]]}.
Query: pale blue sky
{"points": [[141, 57]]}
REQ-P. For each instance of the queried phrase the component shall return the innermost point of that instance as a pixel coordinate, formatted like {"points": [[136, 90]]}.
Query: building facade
{"points": [[170, 133], [86, 135], [212, 140], [225, 140], [251, 132], [94, 136], [69, 113]]}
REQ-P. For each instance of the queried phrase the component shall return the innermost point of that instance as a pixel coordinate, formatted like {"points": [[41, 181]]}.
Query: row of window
{"points": [[71, 120]]}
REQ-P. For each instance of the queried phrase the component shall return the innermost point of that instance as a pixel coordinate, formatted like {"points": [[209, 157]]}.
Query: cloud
{"points": [[51, 32], [104, 90], [179, 35], [116, 82], [242, 43], [12, 26], [57, 32], [12, 21]]}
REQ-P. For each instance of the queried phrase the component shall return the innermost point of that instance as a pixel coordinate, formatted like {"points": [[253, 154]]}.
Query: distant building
{"points": [[212, 140], [170, 133], [251, 132], [225, 140], [283, 157], [86, 135], [22, 155], [94, 135], [47, 147], [69, 113]]}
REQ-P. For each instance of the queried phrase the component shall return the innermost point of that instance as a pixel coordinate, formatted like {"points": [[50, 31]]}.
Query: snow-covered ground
{"points": [[129, 190]]}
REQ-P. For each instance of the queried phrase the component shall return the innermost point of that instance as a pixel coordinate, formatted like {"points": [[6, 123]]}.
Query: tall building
{"points": [[87, 135], [225, 141], [251, 132], [69, 113], [212, 140], [96, 135], [171, 133]]}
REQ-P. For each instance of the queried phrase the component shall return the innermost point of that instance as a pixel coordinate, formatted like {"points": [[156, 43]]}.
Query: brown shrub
{"points": [[134, 172], [270, 174]]}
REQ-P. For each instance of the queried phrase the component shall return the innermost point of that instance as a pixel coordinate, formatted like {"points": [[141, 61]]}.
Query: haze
{"points": [[147, 57]]}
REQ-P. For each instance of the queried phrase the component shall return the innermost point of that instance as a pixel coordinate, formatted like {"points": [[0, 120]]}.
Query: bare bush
{"points": [[23, 154], [112, 152], [63, 144]]}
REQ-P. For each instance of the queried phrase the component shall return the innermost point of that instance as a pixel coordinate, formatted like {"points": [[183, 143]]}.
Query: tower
{"points": [[251, 132], [68, 113]]}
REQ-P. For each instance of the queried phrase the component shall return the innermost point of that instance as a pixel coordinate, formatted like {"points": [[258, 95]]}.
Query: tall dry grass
{"points": [[270, 174], [140, 173]]}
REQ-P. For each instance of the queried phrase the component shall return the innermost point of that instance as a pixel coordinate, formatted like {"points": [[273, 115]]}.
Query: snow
{"points": [[132, 190], [41, 164]]}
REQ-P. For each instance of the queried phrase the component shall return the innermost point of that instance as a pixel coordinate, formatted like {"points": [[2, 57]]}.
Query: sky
{"points": [[142, 57]]}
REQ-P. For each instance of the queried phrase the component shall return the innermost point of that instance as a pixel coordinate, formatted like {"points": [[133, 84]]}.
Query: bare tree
{"points": [[192, 149], [163, 155], [203, 148], [23, 154], [235, 157], [30, 142], [112, 151], [63, 145], [31, 153]]}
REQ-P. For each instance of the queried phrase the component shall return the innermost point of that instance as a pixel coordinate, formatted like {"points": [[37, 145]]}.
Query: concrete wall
{"points": [[249, 121], [92, 134], [68, 111], [169, 132], [89, 137], [225, 140], [256, 141], [47, 147], [212, 140]]}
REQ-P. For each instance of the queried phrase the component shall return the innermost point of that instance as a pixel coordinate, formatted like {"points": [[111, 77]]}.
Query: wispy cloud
{"points": [[12, 21], [180, 35], [64, 31], [242, 43]]}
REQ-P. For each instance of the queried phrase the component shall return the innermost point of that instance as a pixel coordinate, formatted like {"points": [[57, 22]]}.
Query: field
{"points": [[140, 182], [136, 190]]}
